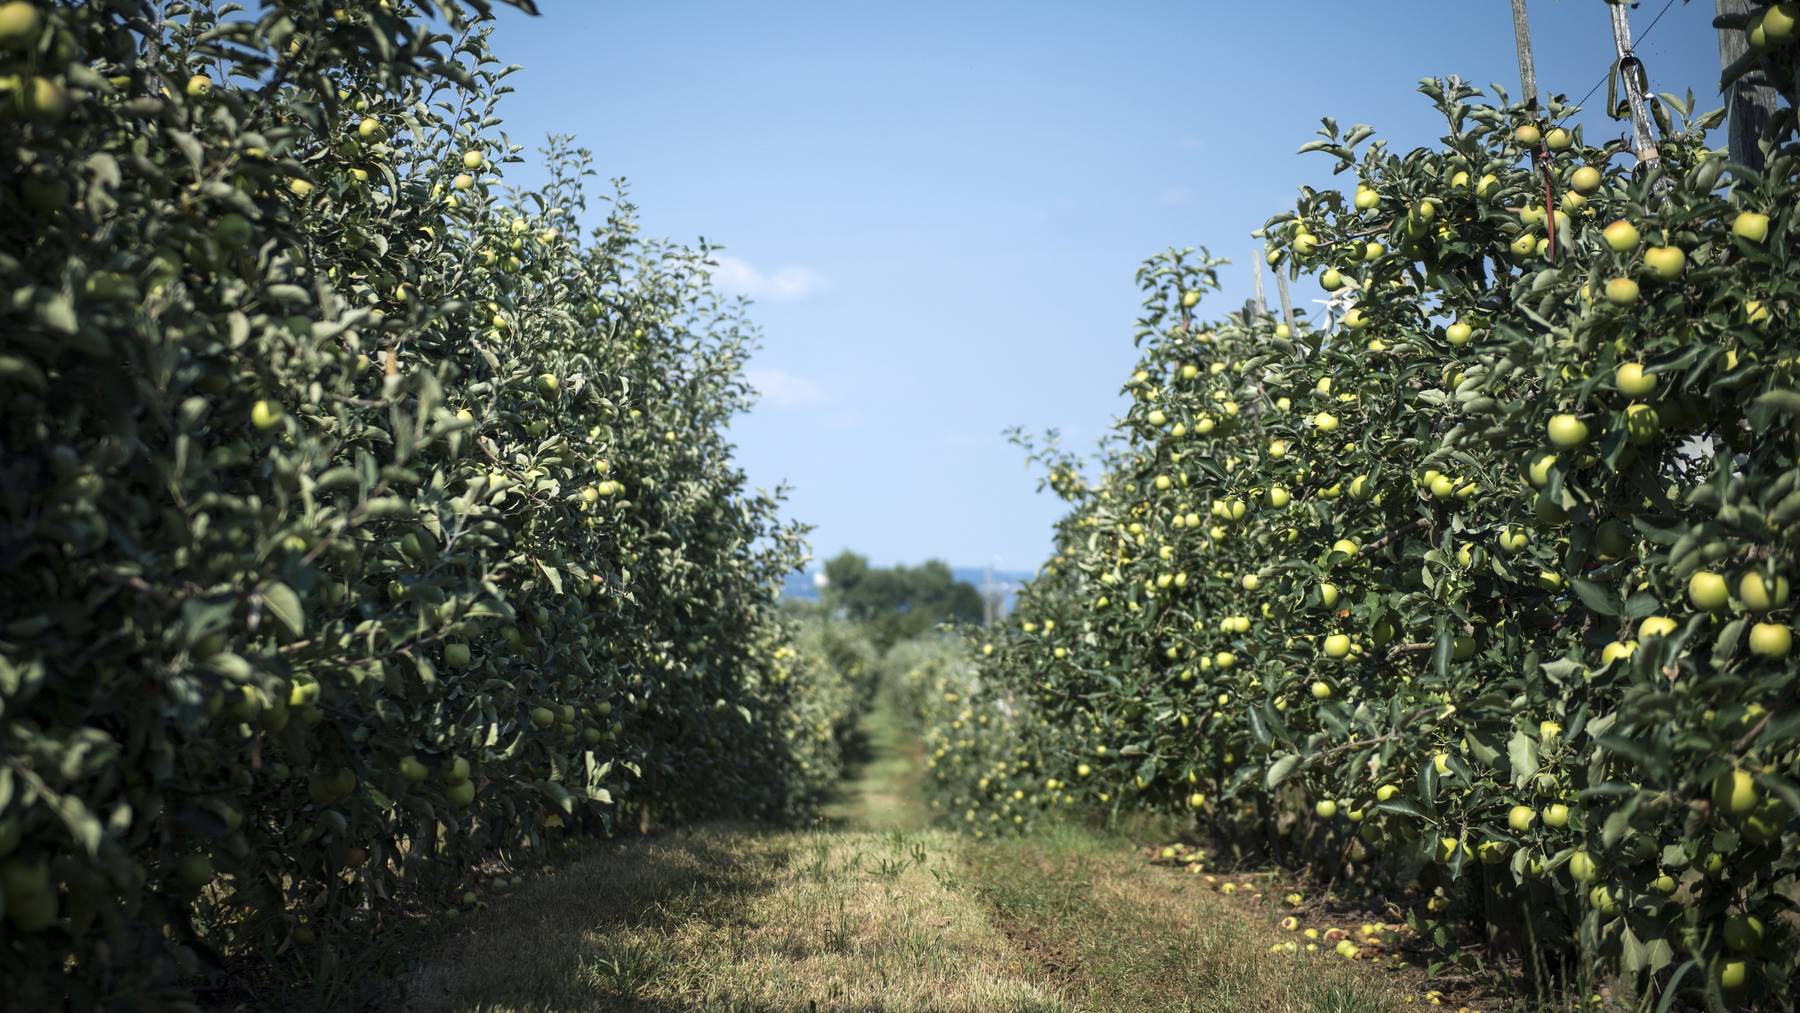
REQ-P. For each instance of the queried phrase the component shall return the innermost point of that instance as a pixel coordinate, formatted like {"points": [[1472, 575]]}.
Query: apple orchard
{"points": [[370, 531], [1477, 599]]}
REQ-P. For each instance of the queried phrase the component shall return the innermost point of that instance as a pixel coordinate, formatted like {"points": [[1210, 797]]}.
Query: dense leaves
{"points": [[361, 523], [1475, 597]]}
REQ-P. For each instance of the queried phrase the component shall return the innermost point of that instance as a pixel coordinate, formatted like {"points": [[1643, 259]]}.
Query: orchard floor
{"points": [[873, 910]]}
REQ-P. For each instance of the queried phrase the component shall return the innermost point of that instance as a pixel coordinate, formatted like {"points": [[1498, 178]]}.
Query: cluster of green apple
{"points": [[362, 528], [1478, 596]]}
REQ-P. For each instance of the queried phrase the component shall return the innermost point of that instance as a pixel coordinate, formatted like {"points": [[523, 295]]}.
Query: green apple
{"points": [[20, 24], [473, 159], [194, 871], [456, 771], [1751, 226], [1337, 645], [1519, 818], [1622, 236], [1779, 23], [412, 769], [1734, 792], [456, 655], [1325, 422], [1603, 901], [1707, 591], [1613, 539], [1744, 933], [1585, 180], [1642, 424], [1325, 809], [1656, 626], [1622, 292], [1528, 135], [1321, 690], [1566, 432], [1556, 815], [1633, 381], [1666, 262], [1618, 650], [30, 894], [265, 415], [461, 793], [1770, 640], [1760, 594], [1366, 198], [1458, 333], [1559, 139], [1537, 472], [1581, 866]]}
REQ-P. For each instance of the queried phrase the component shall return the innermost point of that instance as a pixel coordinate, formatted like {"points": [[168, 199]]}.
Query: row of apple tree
{"points": [[1475, 598], [364, 523]]}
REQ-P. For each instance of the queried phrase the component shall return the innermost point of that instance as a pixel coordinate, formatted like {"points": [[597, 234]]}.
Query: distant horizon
{"points": [[799, 583]]}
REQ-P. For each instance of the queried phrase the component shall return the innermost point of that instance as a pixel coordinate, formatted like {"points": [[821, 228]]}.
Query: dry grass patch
{"points": [[726, 919]]}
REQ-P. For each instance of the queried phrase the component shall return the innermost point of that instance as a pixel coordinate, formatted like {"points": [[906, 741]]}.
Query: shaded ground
{"points": [[875, 911]]}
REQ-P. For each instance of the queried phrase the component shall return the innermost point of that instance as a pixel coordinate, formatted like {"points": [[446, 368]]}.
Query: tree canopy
{"points": [[901, 601]]}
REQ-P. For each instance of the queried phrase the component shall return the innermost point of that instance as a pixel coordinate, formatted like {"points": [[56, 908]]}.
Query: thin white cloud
{"points": [[785, 284], [782, 388]]}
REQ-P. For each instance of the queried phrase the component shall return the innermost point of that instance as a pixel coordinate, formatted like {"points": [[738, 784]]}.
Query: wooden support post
{"points": [[1262, 305], [1540, 156], [1749, 99], [1631, 71], [1522, 42], [1287, 308]]}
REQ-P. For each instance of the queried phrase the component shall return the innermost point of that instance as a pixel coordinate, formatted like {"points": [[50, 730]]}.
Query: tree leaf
{"points": [[285, 606]]}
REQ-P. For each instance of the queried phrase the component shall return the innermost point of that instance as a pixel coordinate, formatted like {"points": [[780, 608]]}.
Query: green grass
{"points": [[873, 910], [883, 794], [1119, 934]]}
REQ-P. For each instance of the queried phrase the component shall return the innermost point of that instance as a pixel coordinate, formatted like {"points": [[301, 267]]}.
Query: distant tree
{"points": [[900, 602]]}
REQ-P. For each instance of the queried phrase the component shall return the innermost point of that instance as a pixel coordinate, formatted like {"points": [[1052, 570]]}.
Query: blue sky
{"points": [[939, 207]]}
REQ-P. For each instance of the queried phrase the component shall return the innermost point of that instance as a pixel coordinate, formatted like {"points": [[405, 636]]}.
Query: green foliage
{"points": [[899, 603], [360, 523], [1375, 565]]}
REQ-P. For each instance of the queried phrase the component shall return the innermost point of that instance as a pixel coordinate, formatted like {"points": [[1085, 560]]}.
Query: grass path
{"points": [[875, 911]]}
